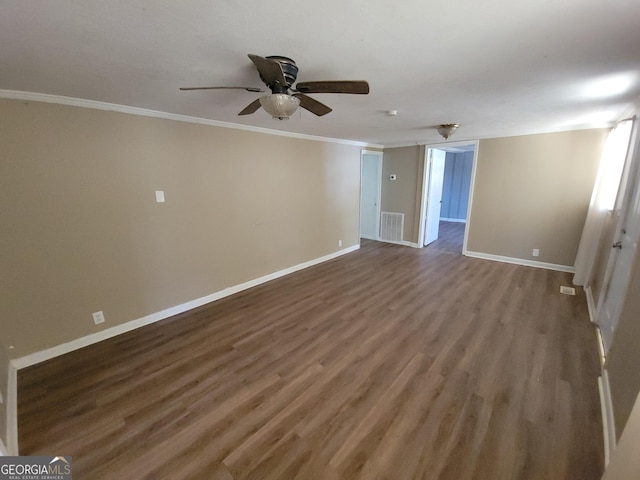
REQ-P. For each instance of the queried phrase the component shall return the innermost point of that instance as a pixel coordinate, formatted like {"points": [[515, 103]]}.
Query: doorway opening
{"points": [[447, 187]]}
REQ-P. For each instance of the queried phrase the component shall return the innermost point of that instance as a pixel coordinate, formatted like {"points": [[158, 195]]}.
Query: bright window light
{"points": [[612, 164]]}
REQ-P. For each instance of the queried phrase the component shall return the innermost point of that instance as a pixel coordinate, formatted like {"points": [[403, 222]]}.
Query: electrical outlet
{"points": [[339, 243], [536, 252], [1, 399], [98, 317]]}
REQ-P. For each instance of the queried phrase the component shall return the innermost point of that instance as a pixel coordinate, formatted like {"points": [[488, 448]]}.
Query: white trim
{"points": [[521, 261], [603, 356], [591, 304], [457, 220], [425, 188], [632, 109], [423, 197], [403, 242], [112, 107], [606, 409], [474, 169], [12, 411], [3, 449], [445, 145], [78, 343], [566, 128]]}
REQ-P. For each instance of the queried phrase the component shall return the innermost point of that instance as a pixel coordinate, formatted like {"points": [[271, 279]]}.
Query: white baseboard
{"points": [[12, 412], [78, 343], [520, 261], [403, 242], [459, 220], [603, 356], [368, 237], [608, 424], [591, 304]]}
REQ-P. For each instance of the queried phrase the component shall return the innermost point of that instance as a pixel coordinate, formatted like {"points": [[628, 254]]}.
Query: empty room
{"points": [[347, 241]]}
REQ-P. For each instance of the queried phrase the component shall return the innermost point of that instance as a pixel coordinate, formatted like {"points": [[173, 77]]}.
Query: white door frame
{"points": [[425, 187], [379, 193]]}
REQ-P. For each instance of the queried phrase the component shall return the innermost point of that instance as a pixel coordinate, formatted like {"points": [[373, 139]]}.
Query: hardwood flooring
{"points": [[387, 363], [450, 237]]}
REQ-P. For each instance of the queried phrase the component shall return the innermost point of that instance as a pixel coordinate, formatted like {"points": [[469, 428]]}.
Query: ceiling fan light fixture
{"points": [[447, 129], [280, 105]]}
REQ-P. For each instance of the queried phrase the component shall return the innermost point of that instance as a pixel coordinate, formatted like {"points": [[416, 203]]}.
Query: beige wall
{"points": [[82, 231], [402, 195], [625, 461], [533, 192]]}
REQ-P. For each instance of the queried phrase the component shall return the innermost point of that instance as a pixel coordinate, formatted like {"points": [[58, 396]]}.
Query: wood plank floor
{"points": [[387, 363], [450, 237]]}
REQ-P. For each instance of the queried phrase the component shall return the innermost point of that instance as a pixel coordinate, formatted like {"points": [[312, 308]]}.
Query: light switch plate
{"points": [[160, 196]]}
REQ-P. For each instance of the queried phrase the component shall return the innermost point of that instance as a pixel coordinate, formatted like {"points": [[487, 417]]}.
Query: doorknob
{"points": [[617, 245]]}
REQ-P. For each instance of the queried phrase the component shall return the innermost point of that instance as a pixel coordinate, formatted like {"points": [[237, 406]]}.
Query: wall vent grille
{"points": [[391, 226], [567, 290]]}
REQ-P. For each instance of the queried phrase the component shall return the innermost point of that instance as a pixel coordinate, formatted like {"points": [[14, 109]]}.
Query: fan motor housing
{"points": [[289, 68]]}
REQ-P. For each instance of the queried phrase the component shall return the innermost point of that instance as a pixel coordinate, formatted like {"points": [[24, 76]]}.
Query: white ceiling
{"points": [[497, 67]]}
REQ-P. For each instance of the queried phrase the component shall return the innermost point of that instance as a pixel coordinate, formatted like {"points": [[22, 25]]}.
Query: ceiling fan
{"points": [[279, 74]]}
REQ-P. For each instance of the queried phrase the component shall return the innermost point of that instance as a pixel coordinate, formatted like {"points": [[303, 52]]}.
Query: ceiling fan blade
{"points": [[312, 105], [248, 89], [360, 87], [251, 108], [270, 70]]}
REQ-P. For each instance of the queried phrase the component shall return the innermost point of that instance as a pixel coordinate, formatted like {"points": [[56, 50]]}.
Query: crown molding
{"points": [[113, 107]]}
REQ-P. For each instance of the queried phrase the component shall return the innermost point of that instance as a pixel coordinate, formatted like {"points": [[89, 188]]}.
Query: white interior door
{"points": [[371, 172], [435, 177], [624, 253], [626, 248]]}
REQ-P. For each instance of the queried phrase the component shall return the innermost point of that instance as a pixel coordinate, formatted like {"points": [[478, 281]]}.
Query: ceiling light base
{"points": [[447, 129]]}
